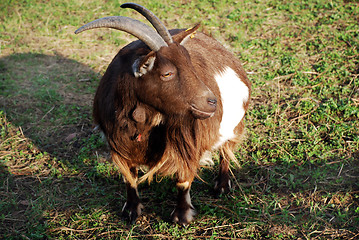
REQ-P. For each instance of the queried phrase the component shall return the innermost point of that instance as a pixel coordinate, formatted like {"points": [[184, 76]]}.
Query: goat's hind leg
{"points": [[133, 207], [222, 181]]}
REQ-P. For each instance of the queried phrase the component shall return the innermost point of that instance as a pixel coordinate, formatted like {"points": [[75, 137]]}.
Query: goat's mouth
{"points": [[200, 114]]}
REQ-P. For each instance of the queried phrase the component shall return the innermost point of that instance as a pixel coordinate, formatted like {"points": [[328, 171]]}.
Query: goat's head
{"points": [[165, 77], [167, 80]]}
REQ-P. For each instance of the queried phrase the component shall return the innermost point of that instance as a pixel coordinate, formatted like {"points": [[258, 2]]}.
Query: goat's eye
{"points": [[167, 76]]}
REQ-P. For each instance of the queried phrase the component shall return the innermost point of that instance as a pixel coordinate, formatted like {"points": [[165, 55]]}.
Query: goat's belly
{"points": [[234, 93]]}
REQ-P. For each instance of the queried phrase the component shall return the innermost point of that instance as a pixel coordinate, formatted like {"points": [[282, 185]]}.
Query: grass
{"points": [[299, 176]]}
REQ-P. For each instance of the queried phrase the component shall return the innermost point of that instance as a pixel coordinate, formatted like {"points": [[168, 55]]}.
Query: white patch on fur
{"points": [[157, 119], [234, 93], [188, 198], [206, 159], [183, 185]]}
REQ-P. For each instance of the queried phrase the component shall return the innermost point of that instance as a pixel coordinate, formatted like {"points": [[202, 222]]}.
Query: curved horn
{"points": [[138, 29], [153, 19]]}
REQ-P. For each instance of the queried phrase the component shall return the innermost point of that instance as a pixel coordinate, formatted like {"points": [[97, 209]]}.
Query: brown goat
{"points": [[166, 102]]}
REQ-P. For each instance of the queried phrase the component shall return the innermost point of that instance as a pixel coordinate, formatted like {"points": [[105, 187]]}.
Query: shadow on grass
{"points": [[55, 179], [48, 155], [54, 184]]}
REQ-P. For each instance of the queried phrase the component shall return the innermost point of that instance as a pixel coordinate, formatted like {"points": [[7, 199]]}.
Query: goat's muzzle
{"points": [[204, 106]]}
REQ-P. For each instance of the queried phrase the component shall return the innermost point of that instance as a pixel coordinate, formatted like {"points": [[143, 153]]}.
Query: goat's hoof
{"points": [[222, 187], [183, 216], [131, 211]]}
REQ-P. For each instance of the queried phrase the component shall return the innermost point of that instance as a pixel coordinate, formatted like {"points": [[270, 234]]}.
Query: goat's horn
{"points": [[153, 19], [138, 29]]}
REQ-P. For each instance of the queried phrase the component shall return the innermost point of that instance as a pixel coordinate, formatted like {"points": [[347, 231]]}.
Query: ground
{"points": [[299, 160]]}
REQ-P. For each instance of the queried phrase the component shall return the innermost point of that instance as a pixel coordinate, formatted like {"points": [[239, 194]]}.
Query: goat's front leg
{"points": [[132, 208], [184, 211]]}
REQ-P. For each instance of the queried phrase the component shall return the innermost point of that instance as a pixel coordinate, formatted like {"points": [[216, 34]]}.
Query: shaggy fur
{"points": [[163, 109]]}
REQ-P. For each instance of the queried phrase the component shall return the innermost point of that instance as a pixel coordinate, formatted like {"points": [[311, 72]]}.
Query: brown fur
{"points": [[172, 140]]}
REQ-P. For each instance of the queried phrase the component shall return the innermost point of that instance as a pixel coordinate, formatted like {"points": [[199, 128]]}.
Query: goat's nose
{"points": [[204, 105]]}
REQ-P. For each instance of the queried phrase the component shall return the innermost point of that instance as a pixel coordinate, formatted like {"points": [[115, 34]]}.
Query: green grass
{"points": [[299, 175]]}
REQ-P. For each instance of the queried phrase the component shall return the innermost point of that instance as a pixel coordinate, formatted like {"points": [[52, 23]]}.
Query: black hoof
{"points": [[183, 216], [131, 212], [222, 187]]}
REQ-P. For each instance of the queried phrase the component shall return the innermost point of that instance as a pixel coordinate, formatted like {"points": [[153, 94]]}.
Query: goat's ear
{"points": [[143, 65], [184, 36]]}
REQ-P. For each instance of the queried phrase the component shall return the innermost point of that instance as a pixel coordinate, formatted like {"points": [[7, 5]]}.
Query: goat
{"points": [[166, 101]]}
